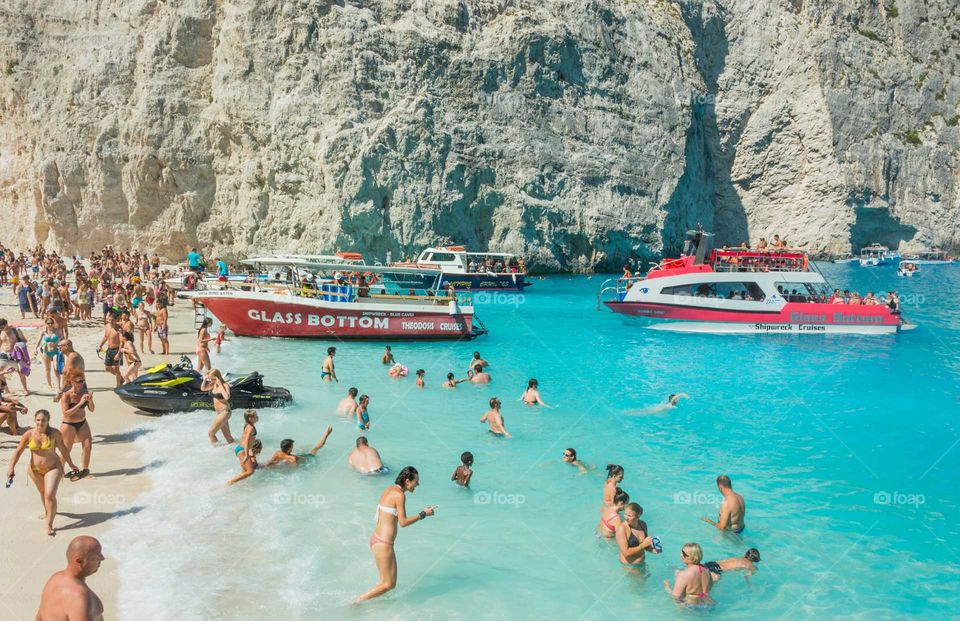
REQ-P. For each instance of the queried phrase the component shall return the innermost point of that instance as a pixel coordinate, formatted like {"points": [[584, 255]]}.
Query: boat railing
{"points": [[616, 288]]}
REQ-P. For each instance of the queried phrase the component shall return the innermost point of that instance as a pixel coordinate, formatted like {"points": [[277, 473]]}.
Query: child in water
{"points": [[220, 338], [464, 471], [420, 374]]}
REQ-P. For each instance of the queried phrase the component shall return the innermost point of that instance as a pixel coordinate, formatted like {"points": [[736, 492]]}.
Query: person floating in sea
{"points": [[464, 472], [614, 477], [348, 405], [66, 594], [746, 563], [46, 468], [570, 457], [672, 401], [397, 370], [327, 372], [531, 396], [692, 584], [387, 357], [494, 419], [610, 515], [365, 459], [732, 509], [286, 456], [391, 512], [632, 539]]}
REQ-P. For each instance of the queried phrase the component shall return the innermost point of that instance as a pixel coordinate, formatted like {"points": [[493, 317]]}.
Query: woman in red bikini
{"points": [[691, 586], [610, 515]]}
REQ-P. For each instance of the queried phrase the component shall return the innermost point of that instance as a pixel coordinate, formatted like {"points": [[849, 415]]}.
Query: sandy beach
{"points": [[86, 507]]}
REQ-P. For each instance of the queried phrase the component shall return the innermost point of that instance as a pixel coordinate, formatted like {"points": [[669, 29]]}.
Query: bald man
{"points": [[66, 596]]}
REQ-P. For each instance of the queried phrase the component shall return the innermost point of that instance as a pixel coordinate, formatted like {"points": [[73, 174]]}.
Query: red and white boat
{"points": [[743, 292], [329, 310]]}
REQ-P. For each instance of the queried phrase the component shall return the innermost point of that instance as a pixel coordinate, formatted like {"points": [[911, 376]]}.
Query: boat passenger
{"points": [[627, 275], [732, 509], [870, 300], [610, 515], [285, 454], [691, 585], [392, 512], [762, 245]]}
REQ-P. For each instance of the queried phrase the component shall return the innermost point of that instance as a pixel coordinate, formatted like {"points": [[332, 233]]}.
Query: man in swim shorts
{"points": [[365, 459], [732, 509], [66, 594], [113, 340], [286, 455], [327, 372]]}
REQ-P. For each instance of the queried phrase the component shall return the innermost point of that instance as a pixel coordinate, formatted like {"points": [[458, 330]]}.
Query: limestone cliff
{"points": [[575, 132]]}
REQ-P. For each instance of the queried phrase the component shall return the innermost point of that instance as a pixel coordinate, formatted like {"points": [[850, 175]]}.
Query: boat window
{"points": [[749, 291], [442, 257], [803, 291]]}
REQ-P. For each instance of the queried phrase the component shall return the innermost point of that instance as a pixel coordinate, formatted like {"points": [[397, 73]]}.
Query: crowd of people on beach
{"points": [[134, 301]]}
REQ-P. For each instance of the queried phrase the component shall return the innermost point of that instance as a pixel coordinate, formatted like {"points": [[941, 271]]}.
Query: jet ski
{"points": [[176, 388]]}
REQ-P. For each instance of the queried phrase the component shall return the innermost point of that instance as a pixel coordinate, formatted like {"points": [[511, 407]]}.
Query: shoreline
{"points": [[88, 507]]}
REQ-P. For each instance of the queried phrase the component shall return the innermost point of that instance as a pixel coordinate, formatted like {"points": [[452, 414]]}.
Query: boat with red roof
{"points": [[742, 291]]}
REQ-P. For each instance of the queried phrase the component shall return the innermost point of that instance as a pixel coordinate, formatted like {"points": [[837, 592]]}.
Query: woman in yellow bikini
{"points": [[46, 469]]}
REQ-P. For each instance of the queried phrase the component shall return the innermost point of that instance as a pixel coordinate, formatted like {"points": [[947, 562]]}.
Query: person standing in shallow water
{"points": [[732, 509], [328, 372], [391, 512], [494, 419]]}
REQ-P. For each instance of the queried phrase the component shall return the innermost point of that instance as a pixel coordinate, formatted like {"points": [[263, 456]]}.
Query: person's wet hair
{"points": [[362, 441], [635, 508], [620, 496], [353, 392], [421, 372], [466, 458], [331, 350], [532, 383], [478, 368], [494, 402], [407, 474], [257, 446], [724, 481], [449, 376], [573, 453], [613, 470], [753, 555], [286, 445]]}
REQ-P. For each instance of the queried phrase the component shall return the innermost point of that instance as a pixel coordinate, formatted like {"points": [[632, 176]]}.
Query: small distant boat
{"points": [[875, 255], [472, 271], [908, 268], [845, 258], [930, 257]]}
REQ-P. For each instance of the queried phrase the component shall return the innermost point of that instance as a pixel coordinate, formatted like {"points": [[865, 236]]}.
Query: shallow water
{"points": [[845, 448]]}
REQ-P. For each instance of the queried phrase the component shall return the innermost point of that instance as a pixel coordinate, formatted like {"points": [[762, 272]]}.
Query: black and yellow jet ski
{"points": [[176, 388]]}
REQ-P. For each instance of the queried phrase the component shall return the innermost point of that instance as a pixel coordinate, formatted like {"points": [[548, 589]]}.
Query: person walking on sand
{"points": [[46, 468], [74, 403], [218, 388], [494, 419], [144, 321], [732, 509], [66, 595], [72, 364], [327, 372], [392, 512], [203, 345], [163, 326], [113, 340], [129, 352]]}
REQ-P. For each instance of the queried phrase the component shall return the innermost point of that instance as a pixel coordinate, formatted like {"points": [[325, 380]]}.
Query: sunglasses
{"points": [[567, 456]]}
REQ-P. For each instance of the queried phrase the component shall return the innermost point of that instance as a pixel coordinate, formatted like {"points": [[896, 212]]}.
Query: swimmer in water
{"points": [[531, 396], [420, 374], [494, 419], [691, 585], [387, 357], [614, 477], [746, 563], [327, 372], [285, 454], [464, 471], [610, 516], [365, 459], [632, 538], [570, 457], [452, 382], [732, 509], [348, 405], [475, 360], [480, 376], [671, 403]]}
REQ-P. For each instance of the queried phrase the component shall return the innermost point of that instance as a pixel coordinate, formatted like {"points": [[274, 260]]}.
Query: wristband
{"points": [[423, 515]]}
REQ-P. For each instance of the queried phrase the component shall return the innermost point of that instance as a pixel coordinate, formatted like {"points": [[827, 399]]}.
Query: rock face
{"points": [[579, 133]]}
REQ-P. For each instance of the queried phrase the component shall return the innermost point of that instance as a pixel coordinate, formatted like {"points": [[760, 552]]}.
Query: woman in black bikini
{"points": [[632, 538], [74, 402]]}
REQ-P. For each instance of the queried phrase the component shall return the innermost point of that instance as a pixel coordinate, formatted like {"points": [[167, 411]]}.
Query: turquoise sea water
{"points": [[846, 449]]}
